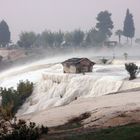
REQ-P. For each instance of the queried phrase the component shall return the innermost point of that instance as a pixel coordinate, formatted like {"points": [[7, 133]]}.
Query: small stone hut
{"points": [[77, 65]]}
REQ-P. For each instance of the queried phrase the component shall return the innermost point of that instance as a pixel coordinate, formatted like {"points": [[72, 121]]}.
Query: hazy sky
{"points": [[38, 15]]}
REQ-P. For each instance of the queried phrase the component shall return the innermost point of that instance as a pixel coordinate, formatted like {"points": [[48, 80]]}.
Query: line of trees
{"points": [[94, 37]]}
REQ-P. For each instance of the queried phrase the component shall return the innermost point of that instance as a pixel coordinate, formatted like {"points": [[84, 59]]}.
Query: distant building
{"points": [[110, 43], [77, 65]]}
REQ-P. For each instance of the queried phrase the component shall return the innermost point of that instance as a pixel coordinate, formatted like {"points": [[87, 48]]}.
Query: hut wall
{"points": [[71, 69], [65, 69], [84, 69], [90, 68]]}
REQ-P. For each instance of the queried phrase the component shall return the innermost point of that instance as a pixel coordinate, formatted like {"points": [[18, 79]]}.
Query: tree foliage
{"points": [[12, 99], [48, 38], [78, 37], [12, 128], [104, 24], [129, 29], [68, 38], [95, 37], [58, 38], [27, 39], [5, 34], [74, 38]]}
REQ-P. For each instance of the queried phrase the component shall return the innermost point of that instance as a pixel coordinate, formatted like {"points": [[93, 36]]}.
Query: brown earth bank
{"points": [[125, 132], [103, 111], [18, 56], [90, 115], [76, 128]]}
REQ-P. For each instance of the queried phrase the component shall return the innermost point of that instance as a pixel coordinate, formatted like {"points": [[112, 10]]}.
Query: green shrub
{"points": [[13, 99], [132, 69]]}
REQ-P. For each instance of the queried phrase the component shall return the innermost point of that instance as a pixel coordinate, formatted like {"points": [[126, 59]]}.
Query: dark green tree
{"points": [[38, 41], [5, 34], [104, 24], [95, 38], [27, 39], [78, 37], [12, 99], [68, 38], [58, 38], [48, 39], [129, 29]]}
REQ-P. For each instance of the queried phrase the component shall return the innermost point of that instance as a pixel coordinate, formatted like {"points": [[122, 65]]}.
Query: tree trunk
{"points": [[132, 76], [131, 42], [119, 39], [127, 40]]}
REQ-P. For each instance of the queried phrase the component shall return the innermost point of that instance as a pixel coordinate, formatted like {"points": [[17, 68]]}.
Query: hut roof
{"points": [[74, 61]]}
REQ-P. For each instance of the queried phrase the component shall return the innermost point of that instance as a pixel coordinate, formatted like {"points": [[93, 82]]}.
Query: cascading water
{"points": [[61, 89], [53, 88], [57, 89]]}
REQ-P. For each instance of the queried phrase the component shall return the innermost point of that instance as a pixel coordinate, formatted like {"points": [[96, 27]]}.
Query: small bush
{"points": [[80, 118], [125, 56], [13, 99], [132, 69], [25, 89], [104, 60]]}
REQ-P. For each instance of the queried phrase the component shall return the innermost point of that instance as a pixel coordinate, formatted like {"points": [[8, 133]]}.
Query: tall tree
{"points": [[27, 39], [119, 33], [78, 37], [48, 38], [129, 29], [58, 38], [95, 38], [68, 38], [104, 24], [5, 34]]}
